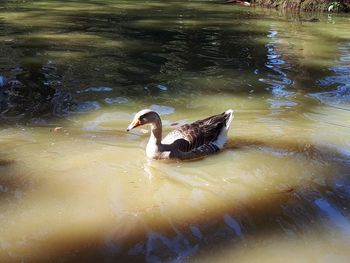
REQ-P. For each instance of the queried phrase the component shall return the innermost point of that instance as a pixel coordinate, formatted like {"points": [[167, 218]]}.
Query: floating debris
{"points": [[57, 129]]}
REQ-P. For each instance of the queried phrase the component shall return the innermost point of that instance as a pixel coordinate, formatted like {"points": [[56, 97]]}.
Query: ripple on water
{"points": [[277, 78], [96, 89], [339, 98], [233, 224], [339, 79], [163, 88], [85, 106], [103, 121], [334, 215], [162, 110], [278, 103], [117, 100], [3, 81], [159, 247]]}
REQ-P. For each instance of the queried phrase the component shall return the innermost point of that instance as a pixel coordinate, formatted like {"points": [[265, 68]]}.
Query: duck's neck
{"points": [[155, 148], [156, 133]]}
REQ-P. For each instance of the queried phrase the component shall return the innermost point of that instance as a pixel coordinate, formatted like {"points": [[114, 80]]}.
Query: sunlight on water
{"points": [[91, 181], [76, 187]]}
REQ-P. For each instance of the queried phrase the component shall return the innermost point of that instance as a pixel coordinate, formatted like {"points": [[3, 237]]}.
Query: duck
{"points": [[190, 141]]}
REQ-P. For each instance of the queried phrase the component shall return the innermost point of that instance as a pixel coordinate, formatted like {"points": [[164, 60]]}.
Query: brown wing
{"points": [[191, 136]]}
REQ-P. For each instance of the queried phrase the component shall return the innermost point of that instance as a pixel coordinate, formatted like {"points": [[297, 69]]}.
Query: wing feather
{"points": [[201, 132]]}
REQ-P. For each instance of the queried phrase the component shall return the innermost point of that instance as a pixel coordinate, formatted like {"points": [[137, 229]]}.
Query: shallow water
{"points": [[86, 192]]}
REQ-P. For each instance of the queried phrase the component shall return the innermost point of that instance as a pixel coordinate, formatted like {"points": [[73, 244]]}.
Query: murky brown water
{"points": [[280, 191]]}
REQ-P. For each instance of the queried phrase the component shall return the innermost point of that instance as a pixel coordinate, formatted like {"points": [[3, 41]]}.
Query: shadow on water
{"points": [[129, 53], [135, 49], [289, 211], [12, 185], [168, 54]]}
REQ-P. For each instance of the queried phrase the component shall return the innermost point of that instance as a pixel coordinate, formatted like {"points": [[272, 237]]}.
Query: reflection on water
{"points": [[340, 97], [87, 193], [277, 79]]}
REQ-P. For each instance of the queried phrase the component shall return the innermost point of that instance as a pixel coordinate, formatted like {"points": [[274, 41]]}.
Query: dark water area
{"points": [[281, 190], [136, 48]]}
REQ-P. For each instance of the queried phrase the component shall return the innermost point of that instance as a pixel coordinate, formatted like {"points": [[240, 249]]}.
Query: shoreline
{"points": [[298, 5]]}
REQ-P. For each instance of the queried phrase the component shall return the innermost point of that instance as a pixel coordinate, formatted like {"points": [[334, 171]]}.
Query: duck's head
{"points": [[143, 117]]}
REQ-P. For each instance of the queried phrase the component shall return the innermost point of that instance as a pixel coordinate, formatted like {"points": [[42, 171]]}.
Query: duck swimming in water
{"points": [[189, 141]]}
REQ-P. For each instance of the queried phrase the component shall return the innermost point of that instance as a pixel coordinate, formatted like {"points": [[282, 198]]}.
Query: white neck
{"points": [[154, 142]]}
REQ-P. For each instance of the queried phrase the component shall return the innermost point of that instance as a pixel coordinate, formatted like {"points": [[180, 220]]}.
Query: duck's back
{"points": [[202, 132]]}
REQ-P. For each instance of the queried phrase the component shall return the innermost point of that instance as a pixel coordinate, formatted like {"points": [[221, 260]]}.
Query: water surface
{"points": [[85, 192]]}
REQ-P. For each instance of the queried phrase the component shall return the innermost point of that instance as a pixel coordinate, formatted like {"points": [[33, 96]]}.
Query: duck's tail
{"points": [[222, 138], [229, 117]]}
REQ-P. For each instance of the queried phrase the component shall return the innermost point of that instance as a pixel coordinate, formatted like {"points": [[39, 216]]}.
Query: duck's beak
{"points": [[134, 124]]}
